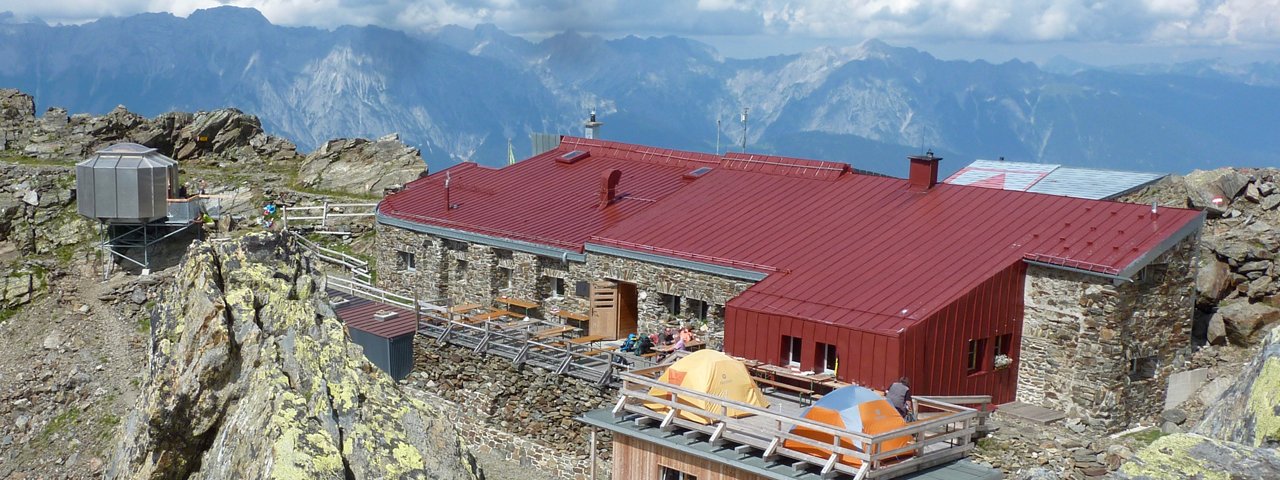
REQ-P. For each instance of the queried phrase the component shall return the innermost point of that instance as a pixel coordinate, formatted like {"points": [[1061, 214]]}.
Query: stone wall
{"points": [[522, 415], [1103, 352], [466, 272]]}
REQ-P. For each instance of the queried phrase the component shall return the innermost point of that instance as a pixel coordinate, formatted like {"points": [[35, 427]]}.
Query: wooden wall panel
{"points": [[636, 459]]}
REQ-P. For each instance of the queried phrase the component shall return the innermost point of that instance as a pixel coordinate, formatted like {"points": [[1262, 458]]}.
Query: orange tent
{"points": [[714, 373], [854, 409]]}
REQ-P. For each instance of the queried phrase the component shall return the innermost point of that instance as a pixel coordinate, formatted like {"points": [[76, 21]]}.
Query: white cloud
{"points": [[1163, 22]]}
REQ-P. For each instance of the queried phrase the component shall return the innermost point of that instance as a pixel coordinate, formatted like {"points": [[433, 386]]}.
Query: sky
{"points": [[1099, 32]]}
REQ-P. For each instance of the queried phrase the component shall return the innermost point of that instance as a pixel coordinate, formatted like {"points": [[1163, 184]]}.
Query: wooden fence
{"points": [[321, 217]]}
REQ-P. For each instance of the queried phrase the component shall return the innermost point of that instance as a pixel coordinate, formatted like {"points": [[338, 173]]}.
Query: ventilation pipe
{"points": [[592, 126], [924, 171], [609, 186]]}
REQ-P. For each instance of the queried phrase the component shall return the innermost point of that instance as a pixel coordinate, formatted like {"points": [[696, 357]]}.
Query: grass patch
{"points": [[8, 313], [60, 423], [1145, 437], [36, 162], [339, 194], [144, 323]]}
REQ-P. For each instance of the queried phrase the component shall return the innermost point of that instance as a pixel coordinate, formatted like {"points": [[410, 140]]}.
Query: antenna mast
{"points": [[717, 135], [745, 110]]}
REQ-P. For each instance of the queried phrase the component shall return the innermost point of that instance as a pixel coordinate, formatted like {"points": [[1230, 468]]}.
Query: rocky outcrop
{"points": [[251, 376], [362, 167], [1249, 411], [1186, 455], [219, 135], [1237, 281]]}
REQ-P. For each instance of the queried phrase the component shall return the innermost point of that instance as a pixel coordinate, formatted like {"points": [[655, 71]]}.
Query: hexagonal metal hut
{"points": [[126, 183]]}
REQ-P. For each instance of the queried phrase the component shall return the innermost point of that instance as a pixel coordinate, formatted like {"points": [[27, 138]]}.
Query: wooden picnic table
{"points": [[773, 373], [690, 346], [484, 317], [516, 302], [586, 339], [553, 331], [577, 317], [464, 308], [512, 325]]}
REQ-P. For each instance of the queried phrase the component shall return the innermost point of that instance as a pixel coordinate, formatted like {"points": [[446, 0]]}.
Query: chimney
{"points": [[592, 126], [609, 186], [924, 171]]}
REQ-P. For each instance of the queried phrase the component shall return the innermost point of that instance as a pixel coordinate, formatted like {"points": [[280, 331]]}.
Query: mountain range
{"points": [[464, 93]]}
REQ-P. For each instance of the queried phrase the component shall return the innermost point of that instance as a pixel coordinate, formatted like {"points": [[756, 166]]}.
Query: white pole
{"points": [[593, 454]]}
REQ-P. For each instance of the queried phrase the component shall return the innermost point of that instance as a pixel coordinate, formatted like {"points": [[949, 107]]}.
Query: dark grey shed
{"points": [[385, 331], [126, 183]]}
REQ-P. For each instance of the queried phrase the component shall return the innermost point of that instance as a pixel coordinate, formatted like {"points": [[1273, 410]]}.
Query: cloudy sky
{"points": [[1093, 31]]}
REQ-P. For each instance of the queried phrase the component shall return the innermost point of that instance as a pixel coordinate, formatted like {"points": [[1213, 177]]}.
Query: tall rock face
{"points": [[1249, 411], [362, 167], [251, 376]]}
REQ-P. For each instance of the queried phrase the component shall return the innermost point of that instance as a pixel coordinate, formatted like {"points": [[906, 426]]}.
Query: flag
{"points": [[447, 177], [511, 153]]}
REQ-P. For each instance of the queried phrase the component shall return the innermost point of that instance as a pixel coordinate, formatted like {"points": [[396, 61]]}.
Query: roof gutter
{"points": [[674, 262], [471, 237], [1116, 278]]}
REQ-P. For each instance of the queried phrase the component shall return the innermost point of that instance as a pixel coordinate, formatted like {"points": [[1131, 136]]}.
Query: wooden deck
{"points": [[945, 435]]}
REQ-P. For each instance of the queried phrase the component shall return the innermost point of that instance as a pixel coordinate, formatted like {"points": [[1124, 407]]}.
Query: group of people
{"points": [[642, 345]]}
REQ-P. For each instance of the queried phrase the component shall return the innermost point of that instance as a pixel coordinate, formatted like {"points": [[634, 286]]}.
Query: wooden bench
{"points": [[600, 350], [464, 308], [551, 332], [803, 393], [516, 302], [511, 325]]}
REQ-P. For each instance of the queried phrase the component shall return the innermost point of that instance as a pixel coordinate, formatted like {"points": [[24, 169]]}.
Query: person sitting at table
{"points": [[686, 335]]}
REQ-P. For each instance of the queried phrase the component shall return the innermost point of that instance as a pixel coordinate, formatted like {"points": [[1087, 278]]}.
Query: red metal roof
{"points": [[543, 201], [358, 313], [838, 247]]}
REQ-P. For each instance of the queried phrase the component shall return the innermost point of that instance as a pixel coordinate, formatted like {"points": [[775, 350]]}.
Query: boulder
{"points": [[16, 106], [1183, 455], [1270, 202], [1222, 185], [1213, 280], [362, 167], [1248, 411], [250, 378], [1216, 333], [1243, 319]]}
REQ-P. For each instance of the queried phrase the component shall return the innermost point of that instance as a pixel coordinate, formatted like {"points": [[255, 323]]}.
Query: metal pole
{"points": [[593, 454]]}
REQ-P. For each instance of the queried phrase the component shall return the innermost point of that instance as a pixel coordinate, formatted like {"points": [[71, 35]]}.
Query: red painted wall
{"points": [[933, 352], [865, 358]]}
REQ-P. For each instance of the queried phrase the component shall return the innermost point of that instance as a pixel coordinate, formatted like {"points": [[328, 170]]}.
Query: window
{"points": [[504, 278], [582, 289], [827, 357], [557, 286], [461, 267], [671, 303], [791, 348], [1143, 368], [407, 261], [1150, 274], [1004, 344], [669, 473], [699, 308], [502, 253], [976, 356]]}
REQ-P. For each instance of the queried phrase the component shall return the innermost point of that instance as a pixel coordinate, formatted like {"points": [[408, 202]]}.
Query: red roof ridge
{"points": [[642, 153], [787, 166]]}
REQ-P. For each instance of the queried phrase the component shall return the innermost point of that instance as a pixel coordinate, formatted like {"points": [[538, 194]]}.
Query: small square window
{"points": [[557, 286], [671, 303], [699, 308], [1143, 368], [408, 262], [504, 278], [791, 349], [827, 357], [582, 289], [461, 267], [976, 356], [1004, 344], [669, 473]]}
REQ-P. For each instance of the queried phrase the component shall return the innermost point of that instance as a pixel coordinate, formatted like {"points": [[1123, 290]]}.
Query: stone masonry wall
{"points": [[462, 272], [1102, 352], [522, 415]]}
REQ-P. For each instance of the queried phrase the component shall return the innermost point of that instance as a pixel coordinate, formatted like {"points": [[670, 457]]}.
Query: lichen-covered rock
{"points": [[1249, 411], [362, 167], [1180, 456], [252, 377]]}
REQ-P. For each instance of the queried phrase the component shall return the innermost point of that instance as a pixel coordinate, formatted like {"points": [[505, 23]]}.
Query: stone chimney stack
{"points": [[924, 171]]}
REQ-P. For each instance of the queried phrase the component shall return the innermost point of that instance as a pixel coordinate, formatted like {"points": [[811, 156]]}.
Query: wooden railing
{"points": [[359, 268], [945, 436], [324, 213]]}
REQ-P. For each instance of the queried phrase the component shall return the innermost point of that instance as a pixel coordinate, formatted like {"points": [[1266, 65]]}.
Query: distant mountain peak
{"points": [[247, 16]]}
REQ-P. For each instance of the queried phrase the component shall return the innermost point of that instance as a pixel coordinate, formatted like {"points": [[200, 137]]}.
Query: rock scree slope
{"points": [[251, 376]]}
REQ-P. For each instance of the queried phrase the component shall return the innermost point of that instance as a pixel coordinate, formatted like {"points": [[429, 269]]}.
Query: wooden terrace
{"points": [[944, 433]]}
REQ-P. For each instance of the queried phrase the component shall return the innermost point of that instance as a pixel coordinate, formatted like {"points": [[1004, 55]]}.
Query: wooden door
{"points": [[628, 309], [604, 309]]}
